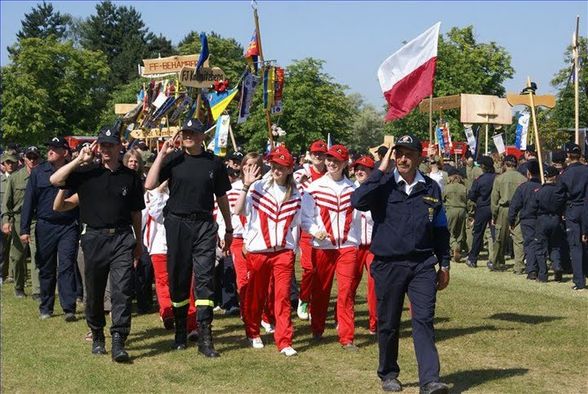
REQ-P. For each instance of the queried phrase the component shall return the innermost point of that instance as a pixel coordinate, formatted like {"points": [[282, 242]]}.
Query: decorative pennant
{"points": [[499, 143], [219, 143], [250, 82]]}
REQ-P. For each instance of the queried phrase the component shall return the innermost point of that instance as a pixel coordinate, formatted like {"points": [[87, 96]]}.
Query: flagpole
{"points": [[576, 89], [268, 119], [430, 118], [537, 145]]}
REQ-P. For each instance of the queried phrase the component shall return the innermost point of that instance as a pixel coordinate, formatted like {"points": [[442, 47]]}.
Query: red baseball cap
{"points": [[365, 161], [281, 156], [318, 146], [339, 152]]}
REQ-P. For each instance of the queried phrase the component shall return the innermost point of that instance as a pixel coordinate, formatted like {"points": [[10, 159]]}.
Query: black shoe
{"points": [[180, 339], [168, 323], [490, 266], [391, 385], [70, 317], [205, 345], [434, 388], [19, 294], [119, 353], [98, 342], [471, 265], [577, 288], [532, 275], [557, 276]]}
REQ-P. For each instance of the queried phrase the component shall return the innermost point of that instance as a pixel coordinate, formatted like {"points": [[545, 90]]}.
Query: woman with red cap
{"points": [[363, 167], [328, 216], [272, 207]]}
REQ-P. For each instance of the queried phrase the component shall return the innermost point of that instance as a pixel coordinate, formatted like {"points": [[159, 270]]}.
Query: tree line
{"points": [[65, 75]]}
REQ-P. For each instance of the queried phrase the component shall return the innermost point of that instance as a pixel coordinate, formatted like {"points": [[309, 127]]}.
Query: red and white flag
{"points": [[406, 77]]}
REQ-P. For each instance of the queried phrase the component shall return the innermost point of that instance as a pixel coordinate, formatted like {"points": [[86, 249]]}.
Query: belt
{"points": [[205, 216], [107, 231]]}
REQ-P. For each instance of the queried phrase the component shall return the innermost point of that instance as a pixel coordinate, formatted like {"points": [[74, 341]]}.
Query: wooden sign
{"points": [[546, 100], [172, 64], [203, 79], [479, 108], [122, 109], [155, 133], [441, 103]]}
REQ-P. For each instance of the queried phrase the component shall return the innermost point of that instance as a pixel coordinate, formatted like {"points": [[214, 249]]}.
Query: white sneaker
{"points": [[288, 351], [256, 343], [217, 309], [269, 328], [302, 310]]}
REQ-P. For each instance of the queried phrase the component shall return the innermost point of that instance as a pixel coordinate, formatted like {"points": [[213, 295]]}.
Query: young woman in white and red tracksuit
{"points": [[328, 216], [155, 241], [363, 167], [272, 207], [304, 177]]}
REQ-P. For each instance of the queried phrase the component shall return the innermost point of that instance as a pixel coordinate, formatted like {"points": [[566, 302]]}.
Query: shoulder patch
{"points": [[431, 199]]}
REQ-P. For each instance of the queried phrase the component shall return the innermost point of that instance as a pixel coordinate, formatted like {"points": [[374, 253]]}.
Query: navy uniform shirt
{"points": [[405, 226], [38, 200], [522, 203], [573, 183], [481, 190], [549, 200]]}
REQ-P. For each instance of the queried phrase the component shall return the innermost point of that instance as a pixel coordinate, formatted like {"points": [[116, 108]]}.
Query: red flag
{"points": [[252, 51], [407, 76]]}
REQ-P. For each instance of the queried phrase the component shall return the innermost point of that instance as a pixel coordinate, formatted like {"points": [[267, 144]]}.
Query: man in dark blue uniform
{"points": [[522, 209], [410, 236], [530, 155], [56, 234], [549, 207], [480, 194], [573, 183]]}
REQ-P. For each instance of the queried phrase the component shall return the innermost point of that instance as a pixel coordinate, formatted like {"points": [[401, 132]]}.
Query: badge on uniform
{"points": [[431, 213], [431, 199], [124, 191]]}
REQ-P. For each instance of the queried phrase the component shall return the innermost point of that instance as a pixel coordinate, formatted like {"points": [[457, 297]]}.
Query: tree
{"points": [[314, 106], [51, 88], [42, 22], [367, 127], [463, 66]]}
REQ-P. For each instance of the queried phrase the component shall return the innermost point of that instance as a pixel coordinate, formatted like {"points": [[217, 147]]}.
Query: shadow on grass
{"points": [[520, 318], [466, 380], [442, 334]]}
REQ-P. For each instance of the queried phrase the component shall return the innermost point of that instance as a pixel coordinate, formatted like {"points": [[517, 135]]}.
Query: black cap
{"points": [[558, 156], [452, 171], [530, 148], [533, 167], [109, 134], [570, 147], [486, 161], [57, 142], [551, 171], [32, 150], [382, 150], [510, 159], [193, 125], [82, 146], [409, 141], [236, 156]]}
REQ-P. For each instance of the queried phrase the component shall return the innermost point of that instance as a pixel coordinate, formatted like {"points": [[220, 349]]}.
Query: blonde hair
{"points": [[456, 178], [134, 153]]}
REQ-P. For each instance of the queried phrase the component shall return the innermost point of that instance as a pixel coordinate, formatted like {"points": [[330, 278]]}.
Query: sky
{"points": [[352, 37]]}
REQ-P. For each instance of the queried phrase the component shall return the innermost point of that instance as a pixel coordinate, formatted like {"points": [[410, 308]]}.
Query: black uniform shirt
{"points": [[481, 190], [193, 182], [549, 200], [574, 183], [522, 203], [107, 198]]}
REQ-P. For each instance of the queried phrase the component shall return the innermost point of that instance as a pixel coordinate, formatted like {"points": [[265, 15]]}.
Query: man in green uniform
{"points": [[9, 164], [472, 172], [455, 200], [11, 208], [503, 190]]}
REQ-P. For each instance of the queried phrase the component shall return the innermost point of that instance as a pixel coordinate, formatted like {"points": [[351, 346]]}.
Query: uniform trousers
{"points": [[166, 312], [109, 255], [548, 238], [343, 263], [307, 267], [191, 250], [18, 258], [57, 242], [225, 282], [528, 228], [578, 252], [482, 218], [262, 268], [240, 264], [365, 258], [456, 222], [394, 279]]}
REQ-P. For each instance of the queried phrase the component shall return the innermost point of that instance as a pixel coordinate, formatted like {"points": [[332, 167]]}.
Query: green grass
{"points": [[496, 333]]}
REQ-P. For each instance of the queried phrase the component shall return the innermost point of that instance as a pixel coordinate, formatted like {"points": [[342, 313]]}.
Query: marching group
{"points": [[225, 235]]}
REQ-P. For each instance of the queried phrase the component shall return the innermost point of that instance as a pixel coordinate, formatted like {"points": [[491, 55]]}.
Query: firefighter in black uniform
{"points": [[410, 236], [195, 177], [111, 200]]}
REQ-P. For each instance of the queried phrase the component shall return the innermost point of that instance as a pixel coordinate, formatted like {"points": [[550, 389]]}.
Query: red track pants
{"points": [[344, 263], [240, 264], [307, 266], [262, 267], [364, 259], [159, 262]]}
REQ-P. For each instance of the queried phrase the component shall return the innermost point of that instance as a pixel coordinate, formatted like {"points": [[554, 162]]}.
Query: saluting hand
{"points": [[169, 146], [386, 160], [251, 174], [87, 153]]}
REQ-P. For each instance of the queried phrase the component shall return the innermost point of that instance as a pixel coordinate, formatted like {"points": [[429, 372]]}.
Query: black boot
{"points": [[205, 345], [119, 353], [98, 342], [181, 337]]}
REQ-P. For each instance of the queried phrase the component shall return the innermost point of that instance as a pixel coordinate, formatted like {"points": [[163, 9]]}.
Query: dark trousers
{"points": [[57, 243], [191, 250], [104, 255], [394, 279], [548, 237], [528, 227], [482, 217], [226, 284], [143, 283], [578, 253]]}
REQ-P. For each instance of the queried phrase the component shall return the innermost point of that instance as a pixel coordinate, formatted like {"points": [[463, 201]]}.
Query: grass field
{"points": [[496, 333]]}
